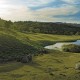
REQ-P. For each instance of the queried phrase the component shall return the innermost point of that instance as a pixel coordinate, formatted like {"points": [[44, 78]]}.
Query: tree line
{"points": [[41, 27]]}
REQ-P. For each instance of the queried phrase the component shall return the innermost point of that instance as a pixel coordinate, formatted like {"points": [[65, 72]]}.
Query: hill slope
{"points": [[12, 47]]}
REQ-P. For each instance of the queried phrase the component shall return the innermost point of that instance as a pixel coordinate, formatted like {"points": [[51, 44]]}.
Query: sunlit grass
{"points": [[54, 65]]}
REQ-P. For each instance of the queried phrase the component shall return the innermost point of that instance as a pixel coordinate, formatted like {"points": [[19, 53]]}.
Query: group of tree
{"points": [[42, 27]]}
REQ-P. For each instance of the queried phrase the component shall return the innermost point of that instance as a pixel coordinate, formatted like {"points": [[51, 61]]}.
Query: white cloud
{"points": [[37, 2], [66, 10], [71, 1], [17, 13], [29, 3], [48, 14], [14, 11]]}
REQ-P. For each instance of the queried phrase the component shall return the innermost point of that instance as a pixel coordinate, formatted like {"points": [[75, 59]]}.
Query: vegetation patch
{"points": [[71, 48]]}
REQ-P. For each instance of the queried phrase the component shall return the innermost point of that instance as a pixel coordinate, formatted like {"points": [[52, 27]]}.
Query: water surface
{"points": [[59, 45]]}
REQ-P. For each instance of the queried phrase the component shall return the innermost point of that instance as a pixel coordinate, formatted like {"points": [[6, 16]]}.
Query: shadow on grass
{"points": [[44, 69], [10, 67]]}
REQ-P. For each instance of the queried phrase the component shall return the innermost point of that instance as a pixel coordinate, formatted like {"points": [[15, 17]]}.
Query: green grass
{"points": [[49, 37], [53, 66], [38, 36]]}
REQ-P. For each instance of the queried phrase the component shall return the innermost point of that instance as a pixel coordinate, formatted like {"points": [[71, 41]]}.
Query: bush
{"points": [[71, 48], [26, 59], [43, 51]]}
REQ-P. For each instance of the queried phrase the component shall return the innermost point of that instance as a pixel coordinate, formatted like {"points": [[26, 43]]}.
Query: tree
{"points": [[8, 24]]}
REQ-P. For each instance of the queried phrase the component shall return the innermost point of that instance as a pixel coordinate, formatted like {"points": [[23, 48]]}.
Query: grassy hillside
{"points": [[11, 47], [14, 44]]}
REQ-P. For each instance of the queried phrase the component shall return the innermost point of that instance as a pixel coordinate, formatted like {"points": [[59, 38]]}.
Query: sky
{"points": [[41, 10]]}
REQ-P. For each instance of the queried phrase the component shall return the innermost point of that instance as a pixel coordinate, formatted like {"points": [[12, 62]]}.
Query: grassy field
{"points": [[48, 37], [53, 66], [39, 36]]}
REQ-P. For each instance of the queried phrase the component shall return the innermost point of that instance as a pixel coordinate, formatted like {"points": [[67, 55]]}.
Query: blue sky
{"points": [[41, 10]]}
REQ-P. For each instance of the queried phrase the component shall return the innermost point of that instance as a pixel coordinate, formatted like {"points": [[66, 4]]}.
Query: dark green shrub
{"points": [[26, 59], [71, 48]]}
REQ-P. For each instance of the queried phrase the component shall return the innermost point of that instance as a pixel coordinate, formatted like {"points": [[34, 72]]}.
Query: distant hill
{"points": [[48, 28], [42, 27]]}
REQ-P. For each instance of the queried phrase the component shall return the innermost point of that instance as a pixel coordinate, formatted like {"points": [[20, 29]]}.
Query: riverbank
{"points": [[58, 46]]}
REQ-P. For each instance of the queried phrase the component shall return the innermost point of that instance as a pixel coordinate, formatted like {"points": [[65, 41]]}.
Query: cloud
{"points": [[29, 3], [18, 13], [50, 14], [66, 10], [69, 1], [34, 3], [72, 1], [17, 10]]}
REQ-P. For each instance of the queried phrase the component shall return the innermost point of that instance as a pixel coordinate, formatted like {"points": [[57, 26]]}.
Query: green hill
{"points": [[41, 27], [47, 28], [12, 48], [19, 39]]}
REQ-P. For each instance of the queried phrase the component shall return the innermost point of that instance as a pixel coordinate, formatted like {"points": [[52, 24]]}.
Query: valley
{"points": [[46, 64]]}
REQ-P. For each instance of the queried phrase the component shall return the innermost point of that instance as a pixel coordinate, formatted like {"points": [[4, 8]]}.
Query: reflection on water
{"points": [[59, 45], [76, 42]]}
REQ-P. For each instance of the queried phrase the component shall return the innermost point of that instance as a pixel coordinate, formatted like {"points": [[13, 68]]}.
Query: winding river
{"points": [[59, 45]]}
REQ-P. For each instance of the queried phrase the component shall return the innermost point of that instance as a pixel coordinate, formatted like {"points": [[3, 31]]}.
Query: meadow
{"points": [[55, 65]]}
